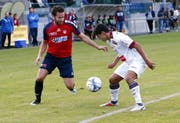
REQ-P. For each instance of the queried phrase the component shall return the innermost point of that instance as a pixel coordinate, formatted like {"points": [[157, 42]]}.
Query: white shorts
{"points": [[137, 67]]}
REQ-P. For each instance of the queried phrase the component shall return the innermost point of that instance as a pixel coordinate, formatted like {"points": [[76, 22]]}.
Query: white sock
{"points": [[136, 94], [114, 94]]}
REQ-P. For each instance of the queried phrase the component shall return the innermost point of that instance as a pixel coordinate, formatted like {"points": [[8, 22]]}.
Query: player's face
{"points": [[103, 36], [59, 18]]}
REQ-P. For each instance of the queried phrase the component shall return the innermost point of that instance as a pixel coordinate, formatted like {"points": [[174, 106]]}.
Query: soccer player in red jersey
{"points": [[58, 44]]}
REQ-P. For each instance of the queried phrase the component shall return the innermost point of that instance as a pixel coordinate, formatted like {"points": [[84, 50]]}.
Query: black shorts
{"points": [[64, 65]]}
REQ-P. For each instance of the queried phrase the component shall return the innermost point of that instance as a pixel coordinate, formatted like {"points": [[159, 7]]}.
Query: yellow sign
{"points": [[20, 33]]}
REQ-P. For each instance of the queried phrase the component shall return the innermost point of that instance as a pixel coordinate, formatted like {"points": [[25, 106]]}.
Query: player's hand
{"points": [[151, 65], [38, 59], [104, 48]]}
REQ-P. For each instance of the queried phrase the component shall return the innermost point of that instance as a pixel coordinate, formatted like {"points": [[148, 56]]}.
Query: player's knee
{"points": [[113, 80], [41, 75], [39, 79], [128, 79]]}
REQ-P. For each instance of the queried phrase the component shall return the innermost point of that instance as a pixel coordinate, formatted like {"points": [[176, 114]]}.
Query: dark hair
{"points": [[14, 14], [56, 9], [100, 28]]}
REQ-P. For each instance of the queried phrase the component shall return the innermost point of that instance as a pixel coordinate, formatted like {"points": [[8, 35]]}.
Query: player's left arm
{"points": [[140, 50], [90, 42]]}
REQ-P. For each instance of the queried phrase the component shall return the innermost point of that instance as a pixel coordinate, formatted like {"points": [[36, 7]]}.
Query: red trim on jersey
{"points": [[111, 35], [122, 58], [132, 45]]}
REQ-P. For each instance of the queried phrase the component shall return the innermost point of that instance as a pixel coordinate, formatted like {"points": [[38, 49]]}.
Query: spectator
{"points": [[120, 18], [88, 29], [150, 15], [93, 22], [33, 20], [10, 16], [111, 22], [171, 21], [50, 18], [105, 20], [7, 28], [15, 20], [66, 16], [178, 21], [99, 20], [166, 19], [72, 16], [160, 19], [46, 4], [40, 2], [175, 18]]}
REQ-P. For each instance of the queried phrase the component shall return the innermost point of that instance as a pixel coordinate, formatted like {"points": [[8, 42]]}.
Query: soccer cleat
{"points": [[109, 104], [35, 102], [73, 91], [138, 107]]}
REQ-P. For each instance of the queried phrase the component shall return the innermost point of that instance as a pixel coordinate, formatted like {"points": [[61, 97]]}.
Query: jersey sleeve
{"points": [[74, 27], [125, 40], [45, 36]]}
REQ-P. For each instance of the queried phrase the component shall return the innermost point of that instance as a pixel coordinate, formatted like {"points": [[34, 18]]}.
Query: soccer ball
{"points": [[94, 84]]}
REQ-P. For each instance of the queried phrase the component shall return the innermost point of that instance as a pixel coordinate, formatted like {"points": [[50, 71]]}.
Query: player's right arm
{"points": [[43, 46], [42, 50], [116, 60]]}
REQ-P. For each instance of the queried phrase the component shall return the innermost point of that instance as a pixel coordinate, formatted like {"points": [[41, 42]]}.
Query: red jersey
{"points": [[59, 38]]}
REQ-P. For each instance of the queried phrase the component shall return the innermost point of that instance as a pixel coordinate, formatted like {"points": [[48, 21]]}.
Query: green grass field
{"points": [[17, 76]]}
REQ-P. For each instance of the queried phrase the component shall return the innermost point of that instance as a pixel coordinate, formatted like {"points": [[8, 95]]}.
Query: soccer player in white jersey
{"points": [[134, 63]]}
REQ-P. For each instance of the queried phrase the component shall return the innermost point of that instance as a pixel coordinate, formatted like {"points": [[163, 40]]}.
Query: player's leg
{"points": [[133, 86], [69, 82], [133, 73], [47, 66], [114, 86], [66, 72], [38, 87]]}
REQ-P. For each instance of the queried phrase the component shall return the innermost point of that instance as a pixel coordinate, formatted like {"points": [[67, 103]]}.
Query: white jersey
{"points": [[121, 45]]}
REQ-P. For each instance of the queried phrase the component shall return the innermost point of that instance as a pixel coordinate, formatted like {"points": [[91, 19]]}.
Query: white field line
{"points": [[127, 108]]}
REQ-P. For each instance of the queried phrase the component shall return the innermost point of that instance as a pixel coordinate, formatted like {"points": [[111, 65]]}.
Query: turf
{"points": [[17, 75]]}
